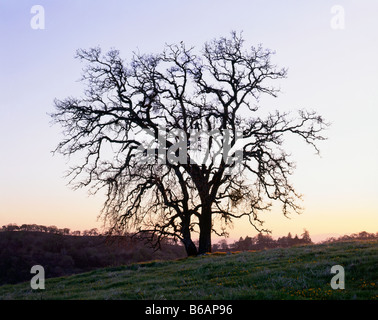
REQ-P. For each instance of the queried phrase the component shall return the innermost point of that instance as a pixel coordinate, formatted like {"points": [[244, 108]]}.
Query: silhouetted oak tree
{"points": [[216, 91]]}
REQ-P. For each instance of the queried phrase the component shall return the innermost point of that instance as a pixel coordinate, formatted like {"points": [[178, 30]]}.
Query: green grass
{"points": [[292, 273]]}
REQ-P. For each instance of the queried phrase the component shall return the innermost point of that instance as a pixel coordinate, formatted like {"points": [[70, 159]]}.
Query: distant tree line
{"points": [[50, 229], [363, 235], [263, 241]]}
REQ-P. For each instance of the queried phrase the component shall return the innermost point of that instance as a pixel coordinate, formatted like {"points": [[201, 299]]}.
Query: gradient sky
{"points": [[334, 72]]}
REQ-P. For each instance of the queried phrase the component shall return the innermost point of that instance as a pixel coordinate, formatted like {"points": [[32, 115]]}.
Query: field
{"points": [[301, 272]]}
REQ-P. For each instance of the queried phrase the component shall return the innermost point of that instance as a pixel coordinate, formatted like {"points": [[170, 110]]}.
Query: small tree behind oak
{"points": [[210, 155]]}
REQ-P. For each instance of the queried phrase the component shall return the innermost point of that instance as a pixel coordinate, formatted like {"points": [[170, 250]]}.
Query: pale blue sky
{"points": [[334, 72]]}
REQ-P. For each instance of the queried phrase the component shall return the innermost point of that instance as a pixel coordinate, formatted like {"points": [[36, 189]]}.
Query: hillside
{"points": [[63, 254], [301, 272]]}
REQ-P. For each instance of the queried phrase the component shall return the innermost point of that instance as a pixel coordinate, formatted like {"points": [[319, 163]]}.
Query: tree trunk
{"points": [[190, 247], [205, 230]]}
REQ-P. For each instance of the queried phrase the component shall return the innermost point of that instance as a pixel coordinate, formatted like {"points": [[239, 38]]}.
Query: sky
{"points": [[329, 47]]}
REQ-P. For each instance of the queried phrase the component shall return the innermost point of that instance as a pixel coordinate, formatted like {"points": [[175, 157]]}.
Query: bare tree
{"points": [[176, 192]]}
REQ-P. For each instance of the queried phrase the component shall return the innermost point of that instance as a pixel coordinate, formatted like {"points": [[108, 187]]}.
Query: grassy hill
{"points": [[291, 273]]}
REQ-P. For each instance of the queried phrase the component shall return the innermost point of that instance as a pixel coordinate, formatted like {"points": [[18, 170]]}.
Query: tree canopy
{"points": [[177, 140]]}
